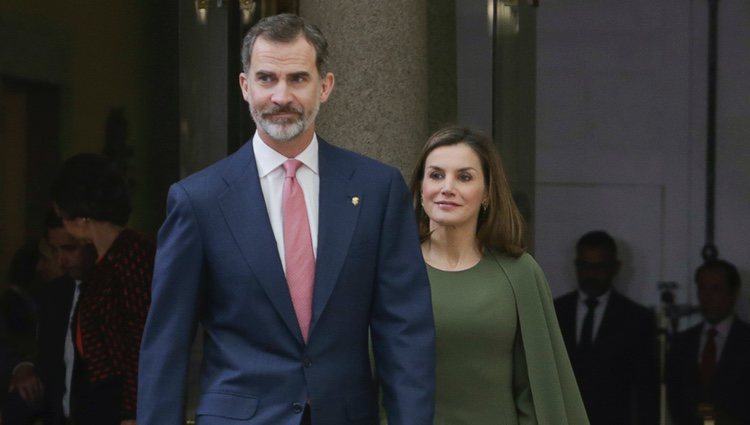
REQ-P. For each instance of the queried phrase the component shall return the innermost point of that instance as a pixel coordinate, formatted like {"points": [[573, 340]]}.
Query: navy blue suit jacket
{"points": [[55, 301], [620, 385], [731, 390], [54, 316], [217, 264]]}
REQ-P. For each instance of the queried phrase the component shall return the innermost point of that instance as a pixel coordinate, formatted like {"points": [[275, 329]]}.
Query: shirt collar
{"points": [[603, 298], [722, 328], [268, 159]]}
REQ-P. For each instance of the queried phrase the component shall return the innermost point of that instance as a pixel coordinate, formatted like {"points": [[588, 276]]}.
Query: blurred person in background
{"points": [[611, 340], [708, 365], [92, 199], [17, 304], [41, 387]]}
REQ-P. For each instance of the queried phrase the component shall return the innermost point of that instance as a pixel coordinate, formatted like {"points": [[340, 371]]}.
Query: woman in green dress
{"points": [[500, 356]]}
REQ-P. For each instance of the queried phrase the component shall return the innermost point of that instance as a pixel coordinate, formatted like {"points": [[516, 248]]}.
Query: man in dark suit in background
{"points": [[293, 255], [8, 359], [708, 366], [610, 340], [42, 388]]}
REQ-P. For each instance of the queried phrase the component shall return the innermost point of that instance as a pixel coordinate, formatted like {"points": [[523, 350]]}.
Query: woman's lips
{"points": [[445, 204]]}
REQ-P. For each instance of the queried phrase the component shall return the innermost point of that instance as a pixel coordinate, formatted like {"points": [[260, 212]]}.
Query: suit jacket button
{"points": [[298, 408], [307, 362]]}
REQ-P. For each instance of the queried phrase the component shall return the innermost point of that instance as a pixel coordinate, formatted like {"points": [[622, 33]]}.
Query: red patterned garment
{"points": [[112, 310]]}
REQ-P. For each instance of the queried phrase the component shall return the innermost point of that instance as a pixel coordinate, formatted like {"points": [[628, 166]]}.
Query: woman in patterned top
{"points": [[91, 197]]}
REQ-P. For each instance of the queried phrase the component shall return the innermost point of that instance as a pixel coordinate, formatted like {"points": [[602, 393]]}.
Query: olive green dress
{"points": [[487, 372]]}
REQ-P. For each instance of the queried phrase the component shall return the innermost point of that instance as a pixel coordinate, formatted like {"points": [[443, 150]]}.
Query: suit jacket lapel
{"points": [[567, 316], [337, 218], [609, 320], [244, 209], [732, 347], [692, 353]]}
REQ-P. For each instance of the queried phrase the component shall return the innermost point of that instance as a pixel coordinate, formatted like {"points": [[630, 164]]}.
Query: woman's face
{"points": [[453, 187]]}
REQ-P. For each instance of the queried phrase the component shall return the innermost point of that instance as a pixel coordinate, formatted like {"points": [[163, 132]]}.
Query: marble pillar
{"points": [[379, 58]]}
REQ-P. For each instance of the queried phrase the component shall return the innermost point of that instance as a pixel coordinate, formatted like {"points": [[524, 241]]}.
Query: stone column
{"points": [[379, 58]]}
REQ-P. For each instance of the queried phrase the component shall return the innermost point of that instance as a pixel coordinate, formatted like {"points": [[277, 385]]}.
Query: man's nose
{"points": [[281, 94]]}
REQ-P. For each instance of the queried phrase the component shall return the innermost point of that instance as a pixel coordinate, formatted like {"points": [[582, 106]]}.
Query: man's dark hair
{"points": [[285, 28], [731, 275], [90, 186], [51, 221], [598, 239]]}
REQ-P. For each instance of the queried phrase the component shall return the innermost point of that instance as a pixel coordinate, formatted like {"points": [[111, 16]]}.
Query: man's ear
{"points": [[244, 86], [327, 83]]}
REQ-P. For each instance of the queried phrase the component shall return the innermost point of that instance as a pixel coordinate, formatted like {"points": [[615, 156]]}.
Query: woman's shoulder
{"points": [[132, 243], [133, 236], [521, 271], [525, 261]]}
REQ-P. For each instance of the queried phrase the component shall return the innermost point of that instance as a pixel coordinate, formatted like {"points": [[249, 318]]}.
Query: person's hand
{"points": [[128, 422], [26, 381]]}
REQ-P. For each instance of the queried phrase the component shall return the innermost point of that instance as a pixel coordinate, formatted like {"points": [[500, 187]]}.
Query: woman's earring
{"points": [[484, 205]]}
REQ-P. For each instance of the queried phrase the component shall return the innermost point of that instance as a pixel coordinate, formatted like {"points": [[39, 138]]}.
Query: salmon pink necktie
{"points": [[298, 249]]}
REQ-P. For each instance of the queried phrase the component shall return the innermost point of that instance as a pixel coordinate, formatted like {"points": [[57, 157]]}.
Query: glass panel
{"points": [[513, 98]]}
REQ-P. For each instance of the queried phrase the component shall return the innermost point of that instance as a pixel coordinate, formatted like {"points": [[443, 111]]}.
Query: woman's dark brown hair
{"points": [[500, 226], [90, 185]]}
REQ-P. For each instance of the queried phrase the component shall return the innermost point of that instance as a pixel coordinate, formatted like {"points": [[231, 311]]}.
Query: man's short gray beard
{"points": [[282, 132], [287, 131]]}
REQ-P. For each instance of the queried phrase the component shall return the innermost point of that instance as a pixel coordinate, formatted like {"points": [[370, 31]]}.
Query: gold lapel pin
{"points": [[355, 200]]}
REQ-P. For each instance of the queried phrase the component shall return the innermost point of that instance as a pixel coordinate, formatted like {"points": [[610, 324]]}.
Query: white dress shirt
{"points": [[69, 353], [271, 173], [722, 332], [582, 309]]}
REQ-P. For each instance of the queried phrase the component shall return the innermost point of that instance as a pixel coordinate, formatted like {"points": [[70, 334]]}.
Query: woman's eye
{"points": [[465, 177], [435, 175]]}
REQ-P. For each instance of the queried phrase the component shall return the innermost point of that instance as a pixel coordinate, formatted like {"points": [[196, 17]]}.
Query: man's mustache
{"points": [[282, 110]]}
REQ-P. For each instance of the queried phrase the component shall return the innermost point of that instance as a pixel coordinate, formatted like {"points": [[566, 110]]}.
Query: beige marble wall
{"points": [[379, 57]]}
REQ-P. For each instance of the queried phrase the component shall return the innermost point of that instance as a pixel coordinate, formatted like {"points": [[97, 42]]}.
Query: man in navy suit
{"points": [[271, 356], [43, 389], [610, 339], [708, 367]]}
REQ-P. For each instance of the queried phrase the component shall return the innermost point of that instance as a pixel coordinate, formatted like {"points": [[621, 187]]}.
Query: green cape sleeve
{"points": [[554, 390]]}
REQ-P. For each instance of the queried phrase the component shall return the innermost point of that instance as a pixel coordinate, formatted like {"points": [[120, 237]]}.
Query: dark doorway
{"points": [[30, 135]]}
